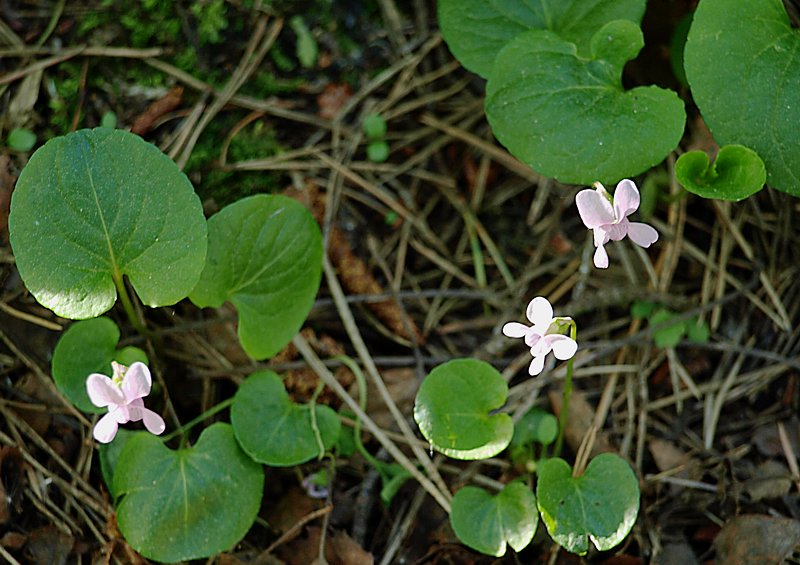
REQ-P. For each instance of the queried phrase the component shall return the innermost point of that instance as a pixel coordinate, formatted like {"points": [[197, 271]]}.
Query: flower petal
{"points": [[102, 391], [601, 258], [564, 347], [601, 235], [626, 199], [105, 429], [595, 210], [536, 366], [153, 422], [121, 413], [515, 329], [137, 381], [642, 234], [540, 312]]}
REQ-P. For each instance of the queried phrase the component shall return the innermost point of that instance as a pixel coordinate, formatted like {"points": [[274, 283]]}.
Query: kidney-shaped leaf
{"points": [[476, 30], [453, 409], [190, 503], [570, 118], [741, 62], [274, 430], [486, 523], [88, 347], [264, 256], [98, 204], [736, 173], [601, 505]]}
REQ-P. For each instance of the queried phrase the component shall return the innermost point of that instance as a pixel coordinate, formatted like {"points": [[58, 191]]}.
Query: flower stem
{"points": [[127, 305], [190, 424], [565, 396]]}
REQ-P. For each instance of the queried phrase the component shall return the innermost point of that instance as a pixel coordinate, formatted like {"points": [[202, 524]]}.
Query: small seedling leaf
{"points": [[487, 523], [115, 205], [740, 61], [569, 117], [736, 173], [21, 140], [88, 347], [536, 426], [374, 127], [378, 151], [476, 30], [454, 405], [265, 257], [274, 430], [671, 333], [190, 503], [601, 505]]}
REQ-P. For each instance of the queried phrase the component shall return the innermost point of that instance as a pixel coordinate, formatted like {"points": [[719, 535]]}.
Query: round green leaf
{"points": [[741, 62], [601, 505], [476, 30], [274, 430], [264, 256], [101, 203], [21, 139], [374, 127], [671, 333], [88, 347], [486, 523], [535, 426], [453, 410], [378, 151], [737, 173], [569, 117], [190, 503]]}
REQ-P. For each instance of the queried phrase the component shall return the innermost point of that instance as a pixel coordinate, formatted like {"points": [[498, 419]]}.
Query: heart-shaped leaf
{"points": [[535, 426], [274, 430], [740, 60], [486, 523], [190, 503], [600, 505], [737, 173], [264, 256], [570, 118], [453, 409], [88, 347], [98, 204], [476, 30]]}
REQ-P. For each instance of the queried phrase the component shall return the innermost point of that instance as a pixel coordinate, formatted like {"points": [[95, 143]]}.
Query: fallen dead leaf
{"points": [[164, 105], [579, 420], [756, 539], [332, 99], [48, 545], [340, 549]]}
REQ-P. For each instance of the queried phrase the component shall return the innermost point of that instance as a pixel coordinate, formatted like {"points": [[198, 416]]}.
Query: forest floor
{"points": [[437, 246]]}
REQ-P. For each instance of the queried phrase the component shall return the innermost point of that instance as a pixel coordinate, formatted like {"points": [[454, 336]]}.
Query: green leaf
{"points": [[569, 117], [453, 410], [189, 503], [737, 173], [109, 120], [274, 430], [536, 426], [307, 50], [108, 455], [88, 347], [697, 331], [669, 335], [374, 127], [601, 504], [486, 523], [740, 60], [378, 151], [115, 206], [642, 308], [264, 256], [21, 139], [476, 30]]}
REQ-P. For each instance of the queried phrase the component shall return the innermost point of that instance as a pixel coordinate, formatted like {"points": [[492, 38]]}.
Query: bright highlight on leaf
{"points": [[736, 173], [488, 523], [741, 62], [453, 410], [265, 257], [190, 503], [476, 30], [569, 117], [274, 430], [115, 205], [601, 505]]}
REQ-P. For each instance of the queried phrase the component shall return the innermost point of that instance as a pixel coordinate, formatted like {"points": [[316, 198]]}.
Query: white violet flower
{"points": [[123, 394], [607, 217], [543, 337]]}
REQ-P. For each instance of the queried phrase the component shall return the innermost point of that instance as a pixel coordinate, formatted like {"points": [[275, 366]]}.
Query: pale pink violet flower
{"points": [[123, 394], [608, 221], [543, 337]]}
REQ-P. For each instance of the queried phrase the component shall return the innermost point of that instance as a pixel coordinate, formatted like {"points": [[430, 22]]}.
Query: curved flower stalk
{"points": [[544, 335], [122, 394], [607, 217]]}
